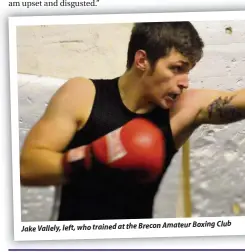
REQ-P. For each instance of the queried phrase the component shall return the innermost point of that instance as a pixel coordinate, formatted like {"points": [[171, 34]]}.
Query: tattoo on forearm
{"points": [[224, 109]]}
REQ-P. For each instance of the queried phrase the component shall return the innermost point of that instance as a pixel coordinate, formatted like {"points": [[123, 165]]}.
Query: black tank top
{"points": [[110, 193]]}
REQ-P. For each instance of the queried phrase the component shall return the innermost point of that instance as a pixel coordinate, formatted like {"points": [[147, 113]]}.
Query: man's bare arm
{"points": [[220, 107], [41, 155]]}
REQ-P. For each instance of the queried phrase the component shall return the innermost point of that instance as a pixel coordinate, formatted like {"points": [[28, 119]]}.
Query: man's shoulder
{"points": [[75, 92], [83, 89], [81, 83], [77, 88], [77, 83]]}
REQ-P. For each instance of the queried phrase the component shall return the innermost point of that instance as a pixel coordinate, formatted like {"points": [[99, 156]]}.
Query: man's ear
{"points": [[141, 61]]}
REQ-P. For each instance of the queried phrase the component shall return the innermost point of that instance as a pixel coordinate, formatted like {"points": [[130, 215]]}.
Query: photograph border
{"points": [[237, 226]]}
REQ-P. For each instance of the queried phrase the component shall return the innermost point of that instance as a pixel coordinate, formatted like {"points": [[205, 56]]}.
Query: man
{"points": [[108, 143]]}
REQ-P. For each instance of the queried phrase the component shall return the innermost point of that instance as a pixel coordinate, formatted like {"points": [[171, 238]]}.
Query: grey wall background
{"points": [[48, 55]]}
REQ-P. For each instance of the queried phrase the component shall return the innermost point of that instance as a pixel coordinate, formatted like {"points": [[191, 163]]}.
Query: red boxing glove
{"points": [[138, 146]]}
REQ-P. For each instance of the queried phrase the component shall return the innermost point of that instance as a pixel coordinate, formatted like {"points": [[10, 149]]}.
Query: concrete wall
{"points": [[47, 55]]}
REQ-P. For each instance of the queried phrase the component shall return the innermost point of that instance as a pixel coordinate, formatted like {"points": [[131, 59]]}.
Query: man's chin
{"points": [[166, 103]]}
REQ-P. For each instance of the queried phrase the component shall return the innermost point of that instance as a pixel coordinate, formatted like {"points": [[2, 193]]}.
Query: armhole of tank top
{"points": [[171, 133], [94, 82], [89, 117]]}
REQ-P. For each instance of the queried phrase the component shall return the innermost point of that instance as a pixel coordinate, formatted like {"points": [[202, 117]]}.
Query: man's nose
{"points": [[183, 82]]}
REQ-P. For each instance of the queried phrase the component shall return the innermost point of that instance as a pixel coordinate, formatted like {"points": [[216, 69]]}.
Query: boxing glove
{"points": [[137, 147]]}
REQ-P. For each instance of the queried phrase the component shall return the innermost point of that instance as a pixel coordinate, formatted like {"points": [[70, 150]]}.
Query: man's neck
{"points": [[132, 93]]}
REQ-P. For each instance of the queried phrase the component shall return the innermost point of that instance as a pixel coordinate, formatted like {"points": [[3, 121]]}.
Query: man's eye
{"points": [[179, 69], [176, 69]]}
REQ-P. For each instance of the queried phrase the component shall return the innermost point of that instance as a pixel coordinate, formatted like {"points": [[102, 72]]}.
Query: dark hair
{"points": [[157, 39]]}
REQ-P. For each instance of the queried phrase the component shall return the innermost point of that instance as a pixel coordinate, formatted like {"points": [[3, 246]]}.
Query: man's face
{"points": [[169, 78]]}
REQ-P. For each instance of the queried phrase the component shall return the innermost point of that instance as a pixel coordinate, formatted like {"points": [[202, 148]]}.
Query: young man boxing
{"points": [[108, 143]]}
